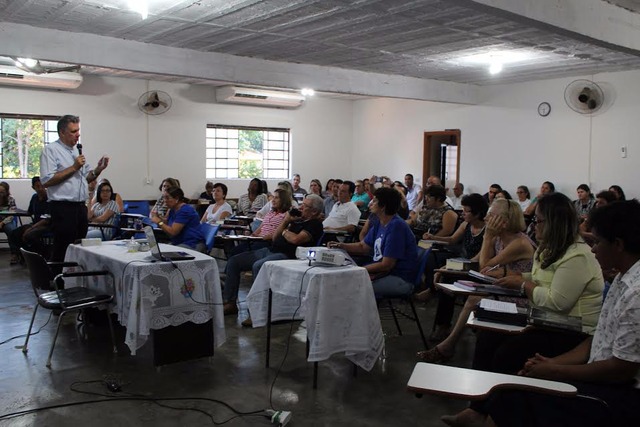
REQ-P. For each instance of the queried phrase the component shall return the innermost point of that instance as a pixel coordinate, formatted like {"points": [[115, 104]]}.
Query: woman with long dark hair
{"points": [[103, 211]]}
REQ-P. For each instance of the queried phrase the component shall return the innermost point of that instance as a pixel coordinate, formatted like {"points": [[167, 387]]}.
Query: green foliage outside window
{"points": [[22, 142]]}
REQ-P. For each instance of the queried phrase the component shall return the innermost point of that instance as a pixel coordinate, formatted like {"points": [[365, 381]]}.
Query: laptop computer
{"points": [[164, 256]]}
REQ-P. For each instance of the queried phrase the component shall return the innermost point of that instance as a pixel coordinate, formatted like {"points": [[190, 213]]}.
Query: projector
{"points": [[321, 255]]}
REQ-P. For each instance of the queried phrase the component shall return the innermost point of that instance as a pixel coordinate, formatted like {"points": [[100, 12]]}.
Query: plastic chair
{"points": [[66, 300], [423, 255], [209, 231]]}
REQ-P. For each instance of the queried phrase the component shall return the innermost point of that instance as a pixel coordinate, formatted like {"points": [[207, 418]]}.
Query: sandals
{"points": [[422, 296], [433, 355]]}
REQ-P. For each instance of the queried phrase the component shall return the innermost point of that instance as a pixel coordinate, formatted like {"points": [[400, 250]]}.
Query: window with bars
{"points": [[247, 152], [22, 138]]}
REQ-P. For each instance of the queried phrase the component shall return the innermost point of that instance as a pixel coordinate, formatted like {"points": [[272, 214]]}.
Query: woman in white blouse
{"points": [[103, 211], [220, 209]]}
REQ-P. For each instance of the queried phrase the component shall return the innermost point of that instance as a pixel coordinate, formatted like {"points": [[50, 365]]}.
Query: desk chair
{"points": [[470, 384], [209, 231], [423, 256], [65, 300]]}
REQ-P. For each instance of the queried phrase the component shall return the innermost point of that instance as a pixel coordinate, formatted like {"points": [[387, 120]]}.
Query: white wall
{"points": [[505, 141], [112, 124]]}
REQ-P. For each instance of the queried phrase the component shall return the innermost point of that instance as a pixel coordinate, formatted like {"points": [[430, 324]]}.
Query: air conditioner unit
{"points": [[258, 97], [16, 77]]}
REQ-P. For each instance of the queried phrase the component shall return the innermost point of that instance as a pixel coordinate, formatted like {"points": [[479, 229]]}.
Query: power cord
{"points": [[32, 333], [286, 352], [115, 393]]}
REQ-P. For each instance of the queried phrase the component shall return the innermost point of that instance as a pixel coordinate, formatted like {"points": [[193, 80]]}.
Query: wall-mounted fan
{"points": [[154, 102], [584, 96]]}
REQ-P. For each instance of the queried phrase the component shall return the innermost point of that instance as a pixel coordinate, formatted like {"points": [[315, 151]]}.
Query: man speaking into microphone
{"points": [[66, 175]]}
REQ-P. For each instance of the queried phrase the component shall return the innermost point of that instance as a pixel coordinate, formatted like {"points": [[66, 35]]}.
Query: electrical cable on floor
{"points": [[117, 395], [32, 333], [286, 352]]}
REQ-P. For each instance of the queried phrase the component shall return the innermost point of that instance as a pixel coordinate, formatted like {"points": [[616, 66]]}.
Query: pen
{"points": [[493, 268]]}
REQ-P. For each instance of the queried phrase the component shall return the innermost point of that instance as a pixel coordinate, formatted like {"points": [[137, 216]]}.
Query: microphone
{"points": [[79, 148]]}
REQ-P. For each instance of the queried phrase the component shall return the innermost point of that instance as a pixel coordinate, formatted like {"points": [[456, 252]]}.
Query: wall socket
{"points": [[623, 151]]}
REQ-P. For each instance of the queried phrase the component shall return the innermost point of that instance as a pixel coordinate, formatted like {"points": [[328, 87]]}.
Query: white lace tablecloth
{"points": [[153, 295], [337, 304]]}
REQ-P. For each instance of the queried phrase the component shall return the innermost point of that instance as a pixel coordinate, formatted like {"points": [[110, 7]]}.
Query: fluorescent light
{"points": [[495, 68], [307, 91], [27, 62], [140, 6]]}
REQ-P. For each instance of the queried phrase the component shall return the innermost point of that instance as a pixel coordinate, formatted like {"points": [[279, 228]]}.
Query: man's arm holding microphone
{"points": [[78, 164]]}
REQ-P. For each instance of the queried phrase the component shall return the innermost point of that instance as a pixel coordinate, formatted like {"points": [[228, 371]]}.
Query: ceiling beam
{"points": [[596, 20], [21, 40]]}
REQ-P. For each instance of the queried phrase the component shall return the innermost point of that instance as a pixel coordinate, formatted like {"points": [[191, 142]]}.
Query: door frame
{"points": [[426, 152]]}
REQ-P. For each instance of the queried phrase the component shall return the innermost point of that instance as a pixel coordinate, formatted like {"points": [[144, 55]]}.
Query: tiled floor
{"points": [[235, 375]]}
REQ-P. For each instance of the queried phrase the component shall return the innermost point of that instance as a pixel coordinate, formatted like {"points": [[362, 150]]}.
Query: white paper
{"points": [[499, 306]]}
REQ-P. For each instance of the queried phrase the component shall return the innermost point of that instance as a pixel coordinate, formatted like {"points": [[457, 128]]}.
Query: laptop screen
{"points": [[153, 244]]}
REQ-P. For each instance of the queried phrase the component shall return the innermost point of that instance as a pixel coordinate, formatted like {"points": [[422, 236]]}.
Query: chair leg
{"points": [[113, 338], [55, 337], [395, 318], [415, 316], [33, 317]]}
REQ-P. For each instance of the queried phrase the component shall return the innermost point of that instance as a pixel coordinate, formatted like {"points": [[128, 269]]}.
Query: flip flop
{"points": [[433, 355]]}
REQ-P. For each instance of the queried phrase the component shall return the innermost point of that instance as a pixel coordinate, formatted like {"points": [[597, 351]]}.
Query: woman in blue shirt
{"points": [[183, 222]]}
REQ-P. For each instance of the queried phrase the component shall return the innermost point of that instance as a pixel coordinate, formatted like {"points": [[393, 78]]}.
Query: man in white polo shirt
{"points": [[65, 174], [344, 215]]}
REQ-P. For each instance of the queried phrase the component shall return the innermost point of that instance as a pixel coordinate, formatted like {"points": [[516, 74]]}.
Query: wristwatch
{"points": [[161, 223]]}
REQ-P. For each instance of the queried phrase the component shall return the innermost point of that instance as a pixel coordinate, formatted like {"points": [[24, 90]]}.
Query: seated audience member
{"points": [[298, 192], [344, 215], [494, 189], [547, 187], [392, 244], [183, 223], [7, 222], [160, 209], [294, 231], [565, 278], [285, 185], [403, 211], [524, 197], [503, 194], [618, 192], [603, 198], [254, 200], [207, 194], [220, 209], [331, 200], [114, 196], [315, 187], [360, 197], [470, 233], [432, 180], [328, 189], [436, 218], [367, 188], [265, 188], [584, 203], [29, 236], [280, 205], [605, 366], [458, 194], [505, 245], [413, 191], [104, 211]]}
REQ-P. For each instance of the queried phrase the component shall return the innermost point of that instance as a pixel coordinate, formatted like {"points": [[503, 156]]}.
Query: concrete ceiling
{"points": [[321, 43]]}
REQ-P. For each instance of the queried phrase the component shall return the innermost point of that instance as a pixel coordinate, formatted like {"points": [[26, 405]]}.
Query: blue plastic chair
{"points": [[209, 231]]}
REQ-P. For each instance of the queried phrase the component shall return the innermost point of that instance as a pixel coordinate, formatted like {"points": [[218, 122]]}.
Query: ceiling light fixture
{"points": [[140, 6], [307, 92], [26, 62], [495, 68]]}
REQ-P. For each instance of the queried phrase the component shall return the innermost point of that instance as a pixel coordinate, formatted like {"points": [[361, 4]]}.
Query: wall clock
{"points": [[544, 109]]}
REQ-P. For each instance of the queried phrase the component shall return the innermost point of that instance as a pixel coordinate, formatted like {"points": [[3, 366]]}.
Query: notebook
{"points": [[166, 256]]}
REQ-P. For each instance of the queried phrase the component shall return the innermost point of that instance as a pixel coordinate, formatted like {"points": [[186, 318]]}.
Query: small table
{"points": [[152, 295], [338, 304], [470, 384], [474, 323], [19, 213]]}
